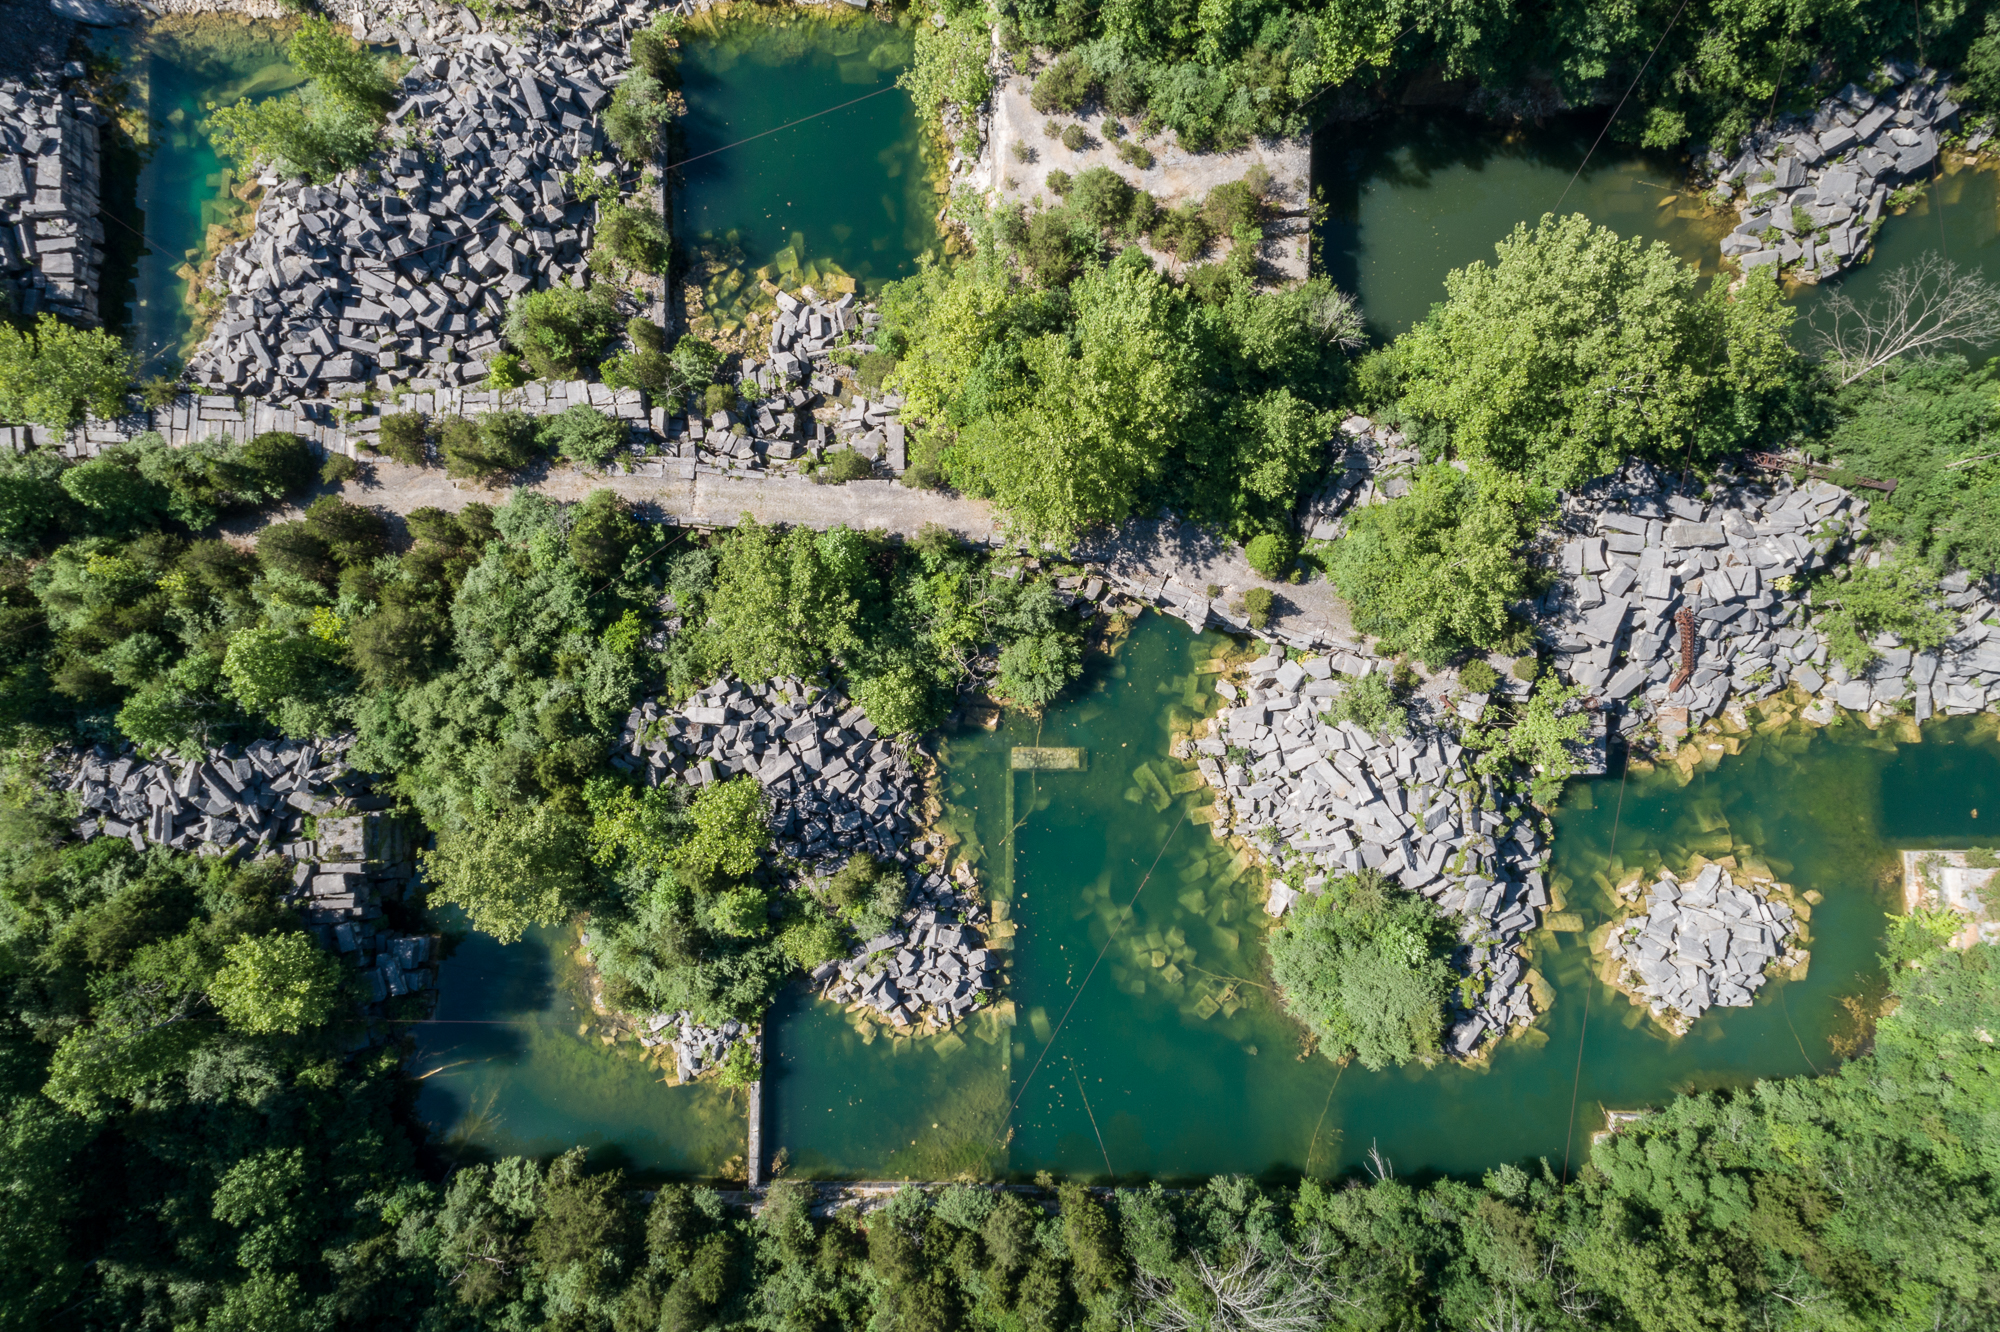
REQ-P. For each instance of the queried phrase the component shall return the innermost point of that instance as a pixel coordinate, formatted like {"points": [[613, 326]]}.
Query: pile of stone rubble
{"points": [[1810, 188], [53, 243], [835, 787], [409, 274], [250, 798], [787, 417], [934, 966], [1376, 463], [1638, 557], [1701, 944], [696, 1049], [1343, 799]]}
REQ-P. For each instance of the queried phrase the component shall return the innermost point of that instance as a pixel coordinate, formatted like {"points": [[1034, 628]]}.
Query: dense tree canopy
{"points": [[1577, 349], [1362, 964], [1077, 406], [1434, 572]]}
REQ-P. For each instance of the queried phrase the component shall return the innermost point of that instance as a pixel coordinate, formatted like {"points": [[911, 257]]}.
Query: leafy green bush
{"points": [[1058, 182], [1134, 154], [635, 236], [1183, 231], [1063, 87], [1433, 572], [718, 398], [1362, 965], [644, 364], [404, 436], [1075, 137], [1370, 702], [1257, 604], [489, 445], [282, 982], [1537, 736], [320, 130], [560, 330], [1477, 677], [1271, 553], [54, 373], [1900, 596], [1930, 424], [582, 434], [841, 466], [33, 500], [637, 118], [339, 469]]}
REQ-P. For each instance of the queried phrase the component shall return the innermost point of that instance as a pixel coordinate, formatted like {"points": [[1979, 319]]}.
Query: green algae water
{"points": [[1421, 193], [188, 200], [839, 201], [512, 1063], [1141, 1039]]}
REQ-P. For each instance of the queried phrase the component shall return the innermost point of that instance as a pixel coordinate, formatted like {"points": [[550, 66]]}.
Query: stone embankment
{"points": [[1811, 189], [1337, 798], [52, 247], [254, 801], [1706, 943], [406, 271]]}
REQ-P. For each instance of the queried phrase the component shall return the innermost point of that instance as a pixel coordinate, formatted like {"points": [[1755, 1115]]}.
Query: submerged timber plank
{"points": [[1030, 758]]}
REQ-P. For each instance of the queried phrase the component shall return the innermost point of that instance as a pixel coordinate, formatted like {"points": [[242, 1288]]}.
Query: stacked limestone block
{"points": [[53, 245]]}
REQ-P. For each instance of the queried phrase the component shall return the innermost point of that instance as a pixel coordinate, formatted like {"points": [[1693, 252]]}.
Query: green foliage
{"points": [[305, 133], [785, 600], [1063, 87], [1257, 605], [602, 534], [1539, 735], [1934, 427], [33, 500], [1362, 965], [1075, 137], [729, 830], [511, 870], [405, 436], [950, 68], [1577, 349], [1478, 677], [582, 434], [1271, 553], [54, 373], [1075, 408], [636, 120], [338, 64], [1899, 596], [560, 330], [489, 445], [840, 466], [1370, 702], [1432, 573], [277, 983], [635, 236]]}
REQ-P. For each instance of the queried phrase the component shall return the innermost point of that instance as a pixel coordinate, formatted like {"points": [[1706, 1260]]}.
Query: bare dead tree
{"points": [[1506, 1316], [1251, 1292], [1923, 306], [1378, 1164]]}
